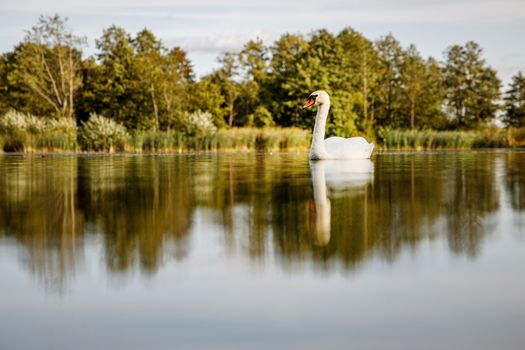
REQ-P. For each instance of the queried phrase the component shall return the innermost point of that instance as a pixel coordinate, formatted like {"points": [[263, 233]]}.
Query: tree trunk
{"points": [[155, 108], [412, 111]]}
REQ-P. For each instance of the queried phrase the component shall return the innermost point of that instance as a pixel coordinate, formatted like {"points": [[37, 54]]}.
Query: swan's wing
{"points": [[352, 148]]}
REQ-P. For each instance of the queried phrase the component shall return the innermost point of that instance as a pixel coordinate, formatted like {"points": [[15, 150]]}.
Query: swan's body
{"points": [[333, 147]]}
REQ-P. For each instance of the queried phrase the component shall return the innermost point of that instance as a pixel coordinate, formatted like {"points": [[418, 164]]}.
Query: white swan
{"points": [[333, 147]]}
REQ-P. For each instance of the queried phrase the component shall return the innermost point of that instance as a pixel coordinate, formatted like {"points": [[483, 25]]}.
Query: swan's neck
{"points": [[317, 150]]}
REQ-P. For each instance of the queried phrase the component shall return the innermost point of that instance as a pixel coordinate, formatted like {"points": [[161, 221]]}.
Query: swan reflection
{"points": [[334, 178]]}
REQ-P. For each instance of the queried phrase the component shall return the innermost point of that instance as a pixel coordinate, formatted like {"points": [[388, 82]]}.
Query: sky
{"points": [[206, 28]]}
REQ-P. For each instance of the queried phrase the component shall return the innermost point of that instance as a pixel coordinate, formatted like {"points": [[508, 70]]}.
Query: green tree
{"points": [[225, 79], [176, 85], [283, 98], [413, 77], [148, 64], [422, 88], [113, 80], [48, 62], [207, 96], [390, 95], [253, 71], [472, 87], [515, 102], [14, 92], [360, 67], [139, 82], [430, 113]]}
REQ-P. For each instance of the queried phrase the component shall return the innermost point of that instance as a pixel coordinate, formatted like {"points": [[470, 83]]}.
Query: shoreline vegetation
{"points": [[24, 133], [135, 94]]}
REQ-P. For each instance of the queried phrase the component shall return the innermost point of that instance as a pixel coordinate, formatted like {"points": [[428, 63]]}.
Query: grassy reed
{"points": [[393, 139], [21, 132], [267, 139], [236, 139], [26, 133]]}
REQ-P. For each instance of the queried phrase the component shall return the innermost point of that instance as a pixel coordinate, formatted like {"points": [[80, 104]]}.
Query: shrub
{"points": [[102, 134], [197, 124], [25, 132]]}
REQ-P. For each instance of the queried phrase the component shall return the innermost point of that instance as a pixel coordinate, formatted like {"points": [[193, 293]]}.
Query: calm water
{"points": [[407, 251]]}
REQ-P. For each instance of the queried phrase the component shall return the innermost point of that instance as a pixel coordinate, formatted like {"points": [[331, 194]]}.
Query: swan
{"points": [[333, 147]]}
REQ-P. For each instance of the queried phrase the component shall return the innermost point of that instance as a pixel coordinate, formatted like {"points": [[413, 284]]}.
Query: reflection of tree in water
{"points": [[39, 209], [515, 179], [407, 202], [470, 194], [142, 207], [138, 203]]}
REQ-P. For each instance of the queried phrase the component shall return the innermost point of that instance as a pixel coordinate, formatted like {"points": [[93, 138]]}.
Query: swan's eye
{"points": [[312, 97]]}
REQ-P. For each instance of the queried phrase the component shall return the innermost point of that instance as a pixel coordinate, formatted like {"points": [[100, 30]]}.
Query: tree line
{"points": [[139, 82]]}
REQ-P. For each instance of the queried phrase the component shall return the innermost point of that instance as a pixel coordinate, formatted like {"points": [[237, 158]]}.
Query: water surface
{"points": [[252, 251]]}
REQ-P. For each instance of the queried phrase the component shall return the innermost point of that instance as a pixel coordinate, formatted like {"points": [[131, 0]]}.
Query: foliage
{"points": [[48, 63], [150, 89], [472, 86], [199, 124], [102, 134], [515, 102]]}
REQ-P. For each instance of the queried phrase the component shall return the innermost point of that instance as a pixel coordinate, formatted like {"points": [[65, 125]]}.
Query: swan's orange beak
{"points": [[309, 103]]}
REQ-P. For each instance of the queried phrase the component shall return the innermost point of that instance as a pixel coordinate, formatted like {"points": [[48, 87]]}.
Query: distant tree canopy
{"points": [[141, 83]]}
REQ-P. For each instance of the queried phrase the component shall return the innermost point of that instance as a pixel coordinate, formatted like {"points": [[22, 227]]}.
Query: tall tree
{"points": [[49, 62], [360, 63], [176, 86], [390, 94], [253, 71], [472, 86], [225, 78], [515, 102], [283, 101], [113, 82], [413, 79]]}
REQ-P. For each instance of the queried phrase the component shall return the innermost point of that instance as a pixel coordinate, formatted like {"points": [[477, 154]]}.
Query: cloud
{"points": [[222, 43], [294, 11]]}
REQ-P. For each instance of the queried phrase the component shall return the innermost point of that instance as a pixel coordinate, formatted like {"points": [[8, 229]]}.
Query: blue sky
{"points": [[205, 28]]}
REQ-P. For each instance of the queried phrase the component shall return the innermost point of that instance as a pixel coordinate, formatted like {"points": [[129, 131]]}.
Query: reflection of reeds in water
{"points": [[142, 207]]}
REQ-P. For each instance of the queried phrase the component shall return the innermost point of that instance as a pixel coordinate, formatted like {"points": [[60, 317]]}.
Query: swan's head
{"points": [[317, 98]]}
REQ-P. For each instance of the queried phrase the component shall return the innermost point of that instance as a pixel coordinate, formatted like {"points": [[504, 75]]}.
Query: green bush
{"points": [[102, 134]]}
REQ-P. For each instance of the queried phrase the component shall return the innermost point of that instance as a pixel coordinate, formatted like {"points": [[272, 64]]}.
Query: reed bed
{"points": [[235, 139], [21, 132], [394, 139]]}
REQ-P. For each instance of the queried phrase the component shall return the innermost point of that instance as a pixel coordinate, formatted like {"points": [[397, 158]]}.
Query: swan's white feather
{"points": [[352, 148]]}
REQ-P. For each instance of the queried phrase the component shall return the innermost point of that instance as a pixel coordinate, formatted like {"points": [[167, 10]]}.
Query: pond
{"points": [[262, 251]]}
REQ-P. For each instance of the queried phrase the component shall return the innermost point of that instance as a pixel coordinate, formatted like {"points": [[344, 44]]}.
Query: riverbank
{"points": [[25, 133]]}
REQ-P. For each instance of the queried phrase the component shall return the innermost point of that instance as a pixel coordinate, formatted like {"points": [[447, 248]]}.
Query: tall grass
{"points": [[235, 139], [266, 139], [21, 132], [391, 139]]}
